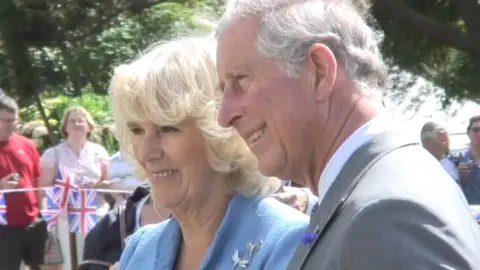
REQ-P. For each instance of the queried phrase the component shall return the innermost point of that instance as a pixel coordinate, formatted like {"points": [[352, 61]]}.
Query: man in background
{"points": [[436, 140], [23, 233], [468, 163]]}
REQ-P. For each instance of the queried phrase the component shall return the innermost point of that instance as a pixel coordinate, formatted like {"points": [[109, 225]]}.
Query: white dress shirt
{"points": [[348, 147], [450, 167]]}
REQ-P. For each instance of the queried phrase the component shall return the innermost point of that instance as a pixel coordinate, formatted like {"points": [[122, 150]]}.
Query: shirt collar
{"points": [[347, 148]]}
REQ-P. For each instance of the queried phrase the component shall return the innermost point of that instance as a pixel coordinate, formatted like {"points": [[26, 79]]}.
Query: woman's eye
{"points": [[136, 131]]}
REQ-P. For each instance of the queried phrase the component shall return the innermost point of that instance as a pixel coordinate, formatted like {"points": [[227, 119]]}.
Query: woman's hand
{"points": [[295, 197], [103, 184], [87, 184]]}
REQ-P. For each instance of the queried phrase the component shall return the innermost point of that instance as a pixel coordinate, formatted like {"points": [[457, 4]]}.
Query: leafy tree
{"points": [[54, 107], [90, 62], [65, 46], [435, 39]]}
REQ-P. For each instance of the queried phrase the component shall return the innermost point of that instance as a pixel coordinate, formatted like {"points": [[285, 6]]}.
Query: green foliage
{"points": [[57, 47], [55, 54], [90, 62], [97, 105], [433, 49]]}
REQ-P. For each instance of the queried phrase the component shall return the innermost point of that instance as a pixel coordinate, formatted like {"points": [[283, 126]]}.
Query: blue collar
{"points": [[171, 235]]}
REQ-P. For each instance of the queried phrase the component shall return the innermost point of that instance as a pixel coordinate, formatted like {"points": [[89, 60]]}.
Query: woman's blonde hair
{"points": [[171, 82], [83, 111]]}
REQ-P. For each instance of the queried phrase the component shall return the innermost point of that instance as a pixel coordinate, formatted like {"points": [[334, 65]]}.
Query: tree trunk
{"points": [[26, 82], [51, 132], [470, 12], [72, 71]]}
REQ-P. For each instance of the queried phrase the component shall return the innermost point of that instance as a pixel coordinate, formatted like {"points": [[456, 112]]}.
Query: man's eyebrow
{"points": [[228, 76], [131, 124]]}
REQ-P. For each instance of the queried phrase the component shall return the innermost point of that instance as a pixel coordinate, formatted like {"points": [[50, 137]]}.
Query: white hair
{"points": [[430, 130], [288, 28]]}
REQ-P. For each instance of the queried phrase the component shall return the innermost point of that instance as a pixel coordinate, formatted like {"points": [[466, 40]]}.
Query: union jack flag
{"points": [[82, 211], [57, 197], [54, 206], [64, 183], [3, 210]]}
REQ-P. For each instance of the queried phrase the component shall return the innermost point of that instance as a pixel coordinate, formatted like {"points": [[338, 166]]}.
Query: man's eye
{"points": [[241, 82], [166, 129]]}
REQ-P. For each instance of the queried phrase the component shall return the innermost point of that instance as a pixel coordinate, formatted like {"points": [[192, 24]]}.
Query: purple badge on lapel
{"points": [[309, 237]]}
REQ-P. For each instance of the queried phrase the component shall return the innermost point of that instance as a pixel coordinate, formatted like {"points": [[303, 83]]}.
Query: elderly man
{"points": [[22, 232], [300, 82], [436, 140]]}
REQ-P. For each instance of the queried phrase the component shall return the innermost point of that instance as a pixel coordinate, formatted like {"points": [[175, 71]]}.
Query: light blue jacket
{"points": [[256, 233]]}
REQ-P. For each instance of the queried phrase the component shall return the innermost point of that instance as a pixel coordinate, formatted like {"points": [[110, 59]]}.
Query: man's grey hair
{"points": [[430, 130], [289, 28], [8, 104]]}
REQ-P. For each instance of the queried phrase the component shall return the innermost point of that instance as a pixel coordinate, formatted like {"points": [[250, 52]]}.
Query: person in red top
{"points": [[23, 236]]}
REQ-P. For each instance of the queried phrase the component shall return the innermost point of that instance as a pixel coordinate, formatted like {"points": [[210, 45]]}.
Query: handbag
{"points": [[53, 251]]}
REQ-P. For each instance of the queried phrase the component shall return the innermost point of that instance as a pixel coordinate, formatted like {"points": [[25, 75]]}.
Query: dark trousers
{"points": [[25, 244]]}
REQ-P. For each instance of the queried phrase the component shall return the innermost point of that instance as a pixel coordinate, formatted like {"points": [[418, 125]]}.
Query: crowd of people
{"points": [[461, 165], [284, 90]]}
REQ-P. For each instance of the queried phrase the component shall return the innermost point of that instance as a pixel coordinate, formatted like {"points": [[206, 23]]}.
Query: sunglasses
{"points": [[475, 129]]}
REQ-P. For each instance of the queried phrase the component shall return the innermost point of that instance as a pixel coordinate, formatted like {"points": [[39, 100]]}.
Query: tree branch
{"points": [[469, 11], [98, 24], [451, 36]]}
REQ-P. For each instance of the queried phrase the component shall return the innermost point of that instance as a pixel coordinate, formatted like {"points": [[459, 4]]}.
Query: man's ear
{"points": [[322, 67]]}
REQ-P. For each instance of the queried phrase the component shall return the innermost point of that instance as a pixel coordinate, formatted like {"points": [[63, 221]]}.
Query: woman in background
{"points": [[85, 160]]}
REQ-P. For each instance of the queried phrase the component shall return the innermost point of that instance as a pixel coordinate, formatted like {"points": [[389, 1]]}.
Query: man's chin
{"points": [[272, 167], [268, 168]]}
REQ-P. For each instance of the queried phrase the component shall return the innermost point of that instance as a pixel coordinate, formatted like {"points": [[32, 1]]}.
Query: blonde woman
{"points": [[165, 105], [87, 161]]}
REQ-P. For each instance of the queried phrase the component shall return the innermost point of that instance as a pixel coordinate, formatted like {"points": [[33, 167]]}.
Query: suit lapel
{"points": [[343, 186], [303, 250]]}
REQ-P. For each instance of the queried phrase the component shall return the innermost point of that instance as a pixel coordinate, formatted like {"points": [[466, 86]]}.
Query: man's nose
{"points": [[229, 110]]}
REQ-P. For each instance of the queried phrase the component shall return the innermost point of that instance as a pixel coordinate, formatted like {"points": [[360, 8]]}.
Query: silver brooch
{"points": [[244, 261]]}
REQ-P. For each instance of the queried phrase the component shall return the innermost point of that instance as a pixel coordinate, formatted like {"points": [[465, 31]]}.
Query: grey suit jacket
{"points": [[404, 212]]}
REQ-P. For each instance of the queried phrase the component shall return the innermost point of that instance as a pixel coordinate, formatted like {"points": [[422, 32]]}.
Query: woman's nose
{"points": [[150, 149]]}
